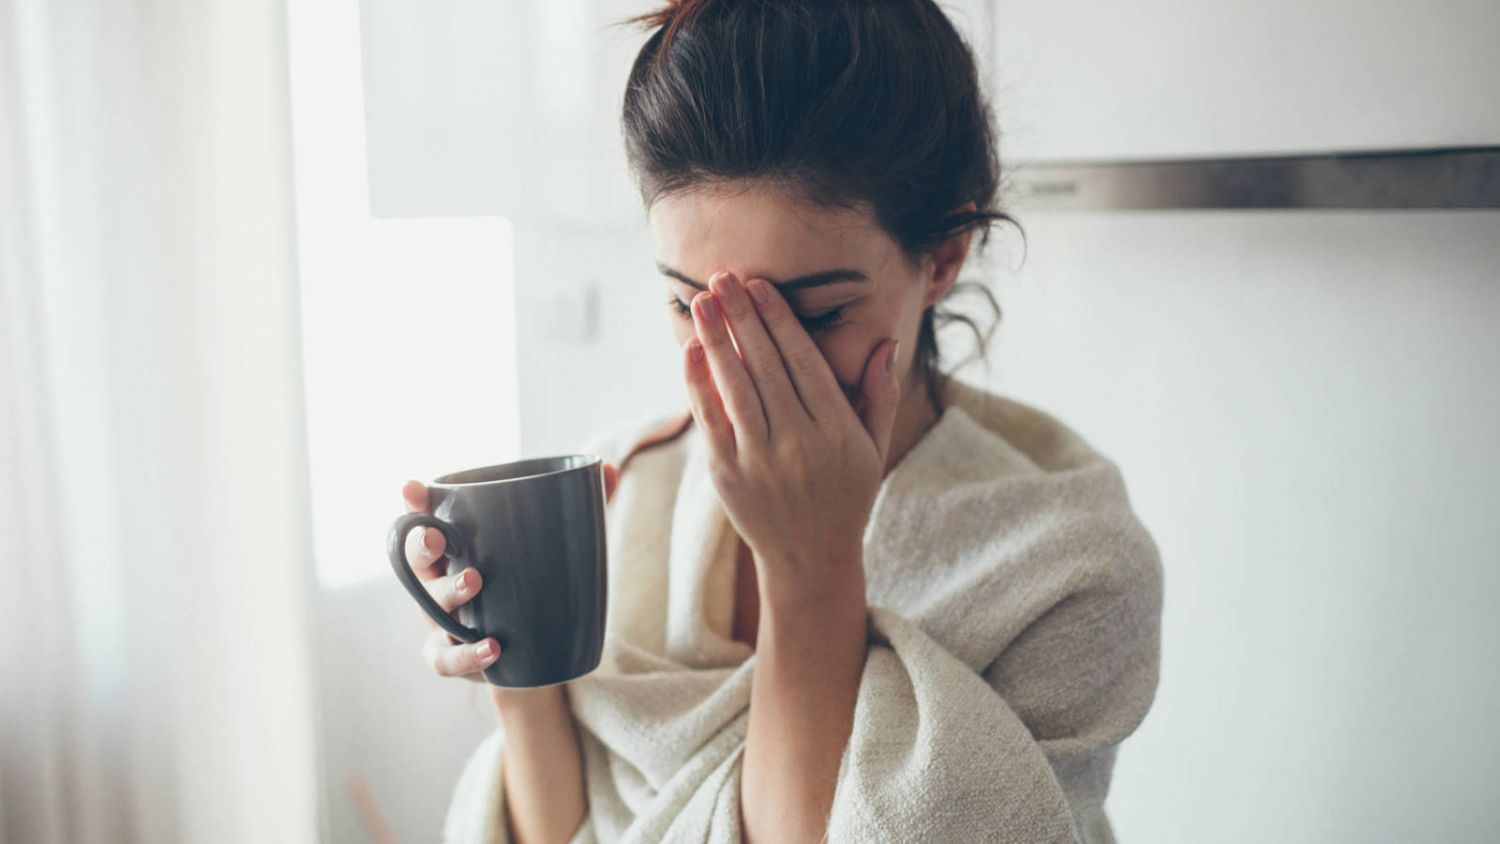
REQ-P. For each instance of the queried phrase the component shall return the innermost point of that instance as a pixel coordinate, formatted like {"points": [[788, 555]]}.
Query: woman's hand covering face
{"points": [[795, 464]]}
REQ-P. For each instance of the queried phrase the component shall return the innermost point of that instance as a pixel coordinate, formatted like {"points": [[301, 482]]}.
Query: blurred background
{"points": [[263, 261]]}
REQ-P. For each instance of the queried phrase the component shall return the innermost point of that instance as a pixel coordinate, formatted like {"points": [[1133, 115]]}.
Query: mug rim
{"points": [[590, 460]]}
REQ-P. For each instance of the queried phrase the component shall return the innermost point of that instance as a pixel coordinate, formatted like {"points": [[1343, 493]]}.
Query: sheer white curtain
{"points": [[156, 675]]}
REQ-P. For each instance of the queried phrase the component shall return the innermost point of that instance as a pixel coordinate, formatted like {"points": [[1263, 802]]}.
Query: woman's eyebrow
{"points": [[817, 279]]}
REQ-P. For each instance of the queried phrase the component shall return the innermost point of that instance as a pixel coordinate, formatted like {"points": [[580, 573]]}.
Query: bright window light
{"points": [[408, 325]]}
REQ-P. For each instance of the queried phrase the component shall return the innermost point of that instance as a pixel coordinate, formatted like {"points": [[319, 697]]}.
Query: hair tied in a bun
{"points": [[672, 15]]}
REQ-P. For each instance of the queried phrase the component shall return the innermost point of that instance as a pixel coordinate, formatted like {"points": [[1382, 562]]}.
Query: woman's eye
{"points": [[811, 324], [823, 320]]}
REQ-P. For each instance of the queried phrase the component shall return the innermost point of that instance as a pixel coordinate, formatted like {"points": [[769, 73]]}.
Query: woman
{"points": [[849, 596]]}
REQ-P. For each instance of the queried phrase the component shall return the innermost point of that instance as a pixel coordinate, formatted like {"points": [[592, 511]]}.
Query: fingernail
{"points": [[461, 583], [695, 350], [890, 362], [710, 307], [759, 291], [484, 650], [429, 539]]}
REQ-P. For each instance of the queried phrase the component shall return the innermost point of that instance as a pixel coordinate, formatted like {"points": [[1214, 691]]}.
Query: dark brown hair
{"points": [[849, 103]]}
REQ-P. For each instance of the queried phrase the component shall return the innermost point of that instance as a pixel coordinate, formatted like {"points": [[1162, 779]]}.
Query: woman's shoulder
{"points": [[1003, 517], [1041, 479], [1006, 443], [1044, 442]]}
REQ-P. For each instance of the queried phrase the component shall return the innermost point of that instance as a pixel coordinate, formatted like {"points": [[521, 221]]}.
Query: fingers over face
{"points": [[816, 386], [737, 390], [707, 404], [759, 352], [880, 395]]}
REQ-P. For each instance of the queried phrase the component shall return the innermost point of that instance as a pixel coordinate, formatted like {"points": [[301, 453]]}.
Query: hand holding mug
{"points": [[425, 548]]}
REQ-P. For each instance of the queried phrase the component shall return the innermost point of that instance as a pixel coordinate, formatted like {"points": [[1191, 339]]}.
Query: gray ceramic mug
{"points": [[535, 530]]}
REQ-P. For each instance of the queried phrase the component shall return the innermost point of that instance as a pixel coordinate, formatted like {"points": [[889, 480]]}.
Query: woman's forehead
{"points": [[762, 231]]}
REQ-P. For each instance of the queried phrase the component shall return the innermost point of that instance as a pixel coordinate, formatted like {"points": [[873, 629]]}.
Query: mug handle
{"points": [[396, 548]]}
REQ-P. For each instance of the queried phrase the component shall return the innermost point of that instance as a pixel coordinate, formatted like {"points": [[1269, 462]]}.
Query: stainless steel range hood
{"points": [[1432, 178]]}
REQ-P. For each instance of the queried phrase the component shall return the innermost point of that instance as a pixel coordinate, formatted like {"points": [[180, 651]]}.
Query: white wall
{"points": [[574, 380], [508, 108], [1306, 408], [387, 719]]}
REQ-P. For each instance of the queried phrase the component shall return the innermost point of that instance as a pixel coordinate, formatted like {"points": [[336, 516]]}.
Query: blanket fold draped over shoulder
{"points": [[1014, 626]]}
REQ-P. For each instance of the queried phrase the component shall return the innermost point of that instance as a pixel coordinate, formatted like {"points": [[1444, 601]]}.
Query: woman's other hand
{"points": [[797, 466], [424, 548]]}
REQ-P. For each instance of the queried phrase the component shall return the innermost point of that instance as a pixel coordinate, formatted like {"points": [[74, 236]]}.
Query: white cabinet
{"points": [[1096, 79], [508, 108]]}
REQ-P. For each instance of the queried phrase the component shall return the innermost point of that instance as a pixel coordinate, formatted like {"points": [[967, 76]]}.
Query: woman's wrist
{"points": [[797, 589], [810, 653], [521, 703], [543, 763]]}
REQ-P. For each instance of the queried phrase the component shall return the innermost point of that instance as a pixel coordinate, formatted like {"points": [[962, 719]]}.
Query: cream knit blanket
{"points": [[1015, 605]]}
